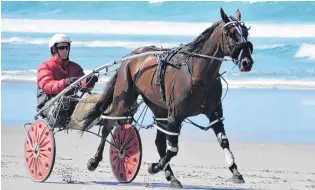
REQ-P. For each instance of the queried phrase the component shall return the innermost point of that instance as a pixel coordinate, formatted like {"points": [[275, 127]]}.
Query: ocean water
{"points": [[283, 35], [251, 115]]}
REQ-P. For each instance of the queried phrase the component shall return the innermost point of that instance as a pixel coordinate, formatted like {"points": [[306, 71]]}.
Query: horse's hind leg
{"points": [[115, 111], [93, 162], [219, 131]]}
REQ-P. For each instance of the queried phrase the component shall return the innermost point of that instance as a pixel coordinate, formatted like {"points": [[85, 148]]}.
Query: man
{"points": [[58, 72]]}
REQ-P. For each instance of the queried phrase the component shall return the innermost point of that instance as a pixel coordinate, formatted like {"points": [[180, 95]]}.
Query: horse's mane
{"points": [[196, 45]]}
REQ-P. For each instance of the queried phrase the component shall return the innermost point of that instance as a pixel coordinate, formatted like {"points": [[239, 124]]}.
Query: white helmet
{"points": [[58, 38]]}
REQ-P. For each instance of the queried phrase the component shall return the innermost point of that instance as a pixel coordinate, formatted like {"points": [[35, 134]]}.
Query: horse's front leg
{"points": [[173, 125], [218, 127]]}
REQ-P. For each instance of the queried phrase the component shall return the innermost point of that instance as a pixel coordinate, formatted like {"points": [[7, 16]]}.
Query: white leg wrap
{"points": [[171, 148], [220, 137], [166, 166], [229, 157]]}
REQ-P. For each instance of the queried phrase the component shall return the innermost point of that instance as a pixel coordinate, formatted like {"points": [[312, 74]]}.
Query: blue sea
{"points": [[276, 98]]}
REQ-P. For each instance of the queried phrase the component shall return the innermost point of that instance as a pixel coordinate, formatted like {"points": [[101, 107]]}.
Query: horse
{"points": [[192, 84]]}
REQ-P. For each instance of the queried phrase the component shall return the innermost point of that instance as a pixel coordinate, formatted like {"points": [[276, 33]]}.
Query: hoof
{"points": [[92, 164], [176, 184], [152, 169], [237, 179]]}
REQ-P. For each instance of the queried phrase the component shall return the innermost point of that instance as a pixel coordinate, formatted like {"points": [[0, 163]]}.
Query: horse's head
{"points": [[234, 41]]}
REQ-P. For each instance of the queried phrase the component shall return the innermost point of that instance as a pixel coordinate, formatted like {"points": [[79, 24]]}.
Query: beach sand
{"points": [[200, 164]]}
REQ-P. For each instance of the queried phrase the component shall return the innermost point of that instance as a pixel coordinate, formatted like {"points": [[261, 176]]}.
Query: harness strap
{"points": [[165, 131], [205, 128], [204, 56]]}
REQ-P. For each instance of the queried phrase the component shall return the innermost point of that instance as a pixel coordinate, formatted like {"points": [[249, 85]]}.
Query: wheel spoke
{"points": [[130, 167], [35, 134], [118, 166], [44, 155], [41, 135], [44, 144], [30, 155], [31, 162], [40, 166], [116, 145], [129, 139], [122, 171], [35, 167], [32, 135]]}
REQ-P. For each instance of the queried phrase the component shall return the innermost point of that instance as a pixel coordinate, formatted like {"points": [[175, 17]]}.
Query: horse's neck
{"points": [[205, 70]]}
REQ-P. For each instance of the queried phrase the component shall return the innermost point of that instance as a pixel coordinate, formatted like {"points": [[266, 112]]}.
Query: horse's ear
{"points": [[224, 16], [238, 15]]}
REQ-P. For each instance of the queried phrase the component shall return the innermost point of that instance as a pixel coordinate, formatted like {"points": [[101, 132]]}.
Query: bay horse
{"points": [[192, 86]]}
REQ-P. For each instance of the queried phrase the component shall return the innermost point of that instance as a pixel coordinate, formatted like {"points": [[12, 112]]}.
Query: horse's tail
{"points": [[107, 96], [102, 104]]}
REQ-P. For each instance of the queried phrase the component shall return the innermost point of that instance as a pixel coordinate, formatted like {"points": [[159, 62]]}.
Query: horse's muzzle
{"points": [[245, 64]]}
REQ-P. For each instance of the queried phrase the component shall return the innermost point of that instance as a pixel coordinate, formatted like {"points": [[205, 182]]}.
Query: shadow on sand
{"points": [[147, 185], [164, 185]]}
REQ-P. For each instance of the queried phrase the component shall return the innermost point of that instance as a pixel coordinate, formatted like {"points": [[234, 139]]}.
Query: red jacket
{"points": [[52, 78]]}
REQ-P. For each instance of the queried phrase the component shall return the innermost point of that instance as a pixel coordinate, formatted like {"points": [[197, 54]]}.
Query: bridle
{"points": [[235, 50]]}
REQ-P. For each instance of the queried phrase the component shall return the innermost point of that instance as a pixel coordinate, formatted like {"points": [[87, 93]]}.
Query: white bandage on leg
{"points": [[229, 157], [164, 168], [221, 137], [171, 148]]}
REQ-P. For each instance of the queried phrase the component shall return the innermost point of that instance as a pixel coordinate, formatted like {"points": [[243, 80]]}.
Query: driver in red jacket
{"points": [[58, 72]]}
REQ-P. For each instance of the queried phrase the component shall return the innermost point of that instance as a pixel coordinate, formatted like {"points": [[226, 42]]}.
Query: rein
{"points": [[205, 56]]}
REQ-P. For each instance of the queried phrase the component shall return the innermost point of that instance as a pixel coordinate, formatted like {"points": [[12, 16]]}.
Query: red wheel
{"points": [[125, 160], [40, 160]]}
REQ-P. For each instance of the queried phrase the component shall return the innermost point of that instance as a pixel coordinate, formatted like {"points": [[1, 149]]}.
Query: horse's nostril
{"points": [[247, 63]]}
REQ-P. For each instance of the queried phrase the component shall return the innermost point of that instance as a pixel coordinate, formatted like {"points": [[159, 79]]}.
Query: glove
{"points": [[71, 80], [91, 80]]}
